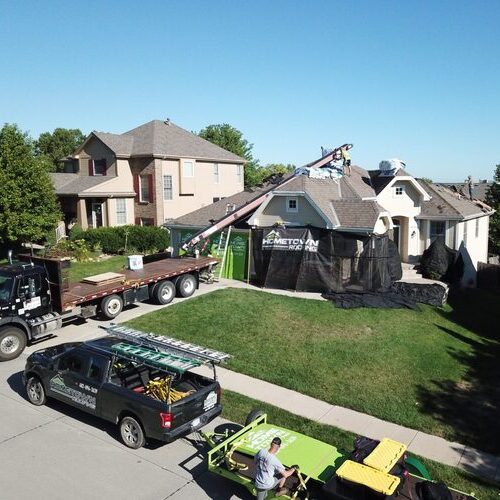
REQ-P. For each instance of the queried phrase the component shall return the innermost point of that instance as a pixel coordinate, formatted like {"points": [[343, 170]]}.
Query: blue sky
{"points": [[417, 80]]}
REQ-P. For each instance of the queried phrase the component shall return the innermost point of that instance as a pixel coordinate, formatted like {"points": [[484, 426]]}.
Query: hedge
{"points": [[124, 239]]}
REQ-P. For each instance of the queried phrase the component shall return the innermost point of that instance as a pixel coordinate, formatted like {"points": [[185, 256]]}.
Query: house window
{"points": [[239, 173], [292, 205], [167, 187], [216, 173], [399, 190], [187, 169], [97, 167], [121, 211], [146, 221], [477, 228], [143, 188], [437, 228]]}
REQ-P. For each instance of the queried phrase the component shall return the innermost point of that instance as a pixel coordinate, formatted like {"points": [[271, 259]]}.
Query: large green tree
{"points": [[57, 145], [493, 199], [230, 138], [28, 204]]}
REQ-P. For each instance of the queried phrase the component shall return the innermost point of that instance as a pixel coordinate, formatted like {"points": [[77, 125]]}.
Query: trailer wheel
{"points": [[186, 285], [111, 306], [253, 415], [132, 433], [12, 342], [35, 391], [164, 292]]}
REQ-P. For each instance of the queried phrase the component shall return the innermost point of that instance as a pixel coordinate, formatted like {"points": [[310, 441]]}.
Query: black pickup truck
{"points": [[96, 378]]}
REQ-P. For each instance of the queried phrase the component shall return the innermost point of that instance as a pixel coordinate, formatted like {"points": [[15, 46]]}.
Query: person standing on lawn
{"points": [[269, 472]]}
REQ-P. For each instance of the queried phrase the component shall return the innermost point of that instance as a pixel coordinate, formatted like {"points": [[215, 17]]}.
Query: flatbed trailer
{"points": [[36, 297]]}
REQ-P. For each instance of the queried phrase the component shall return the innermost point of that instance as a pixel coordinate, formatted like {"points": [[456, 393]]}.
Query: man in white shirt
{"points": [[269, 472]]}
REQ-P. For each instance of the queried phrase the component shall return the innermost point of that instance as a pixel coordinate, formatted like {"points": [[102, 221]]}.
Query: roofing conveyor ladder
{"points": [[167, 345], [223, 241]]}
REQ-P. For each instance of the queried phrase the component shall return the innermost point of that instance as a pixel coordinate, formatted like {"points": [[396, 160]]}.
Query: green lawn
{"points": [[432, 370], [236, 407], [80, 270]]}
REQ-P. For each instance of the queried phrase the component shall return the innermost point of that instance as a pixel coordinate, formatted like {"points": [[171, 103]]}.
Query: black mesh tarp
{"points": [[440, 262], [321, 260]]}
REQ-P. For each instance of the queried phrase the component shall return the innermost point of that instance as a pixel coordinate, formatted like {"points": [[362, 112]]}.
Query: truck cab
{"points": [[24, 297]]}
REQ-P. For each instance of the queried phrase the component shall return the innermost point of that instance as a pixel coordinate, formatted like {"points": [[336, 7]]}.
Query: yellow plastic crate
{"points": [[374, 479], [385, 455]]}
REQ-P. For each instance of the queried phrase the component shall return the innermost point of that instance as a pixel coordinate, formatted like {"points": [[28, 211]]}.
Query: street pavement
{"points": [[57, 452]]}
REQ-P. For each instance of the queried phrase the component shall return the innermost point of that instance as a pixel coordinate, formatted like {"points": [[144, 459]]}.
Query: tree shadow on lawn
{"points": [[471, 406]]}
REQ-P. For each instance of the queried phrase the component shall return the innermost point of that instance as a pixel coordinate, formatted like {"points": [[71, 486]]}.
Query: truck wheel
{"points": [[35, 391], [186, 285], [164, 292], [111, 306], [132, 433], [253, 415], [12, 342]]}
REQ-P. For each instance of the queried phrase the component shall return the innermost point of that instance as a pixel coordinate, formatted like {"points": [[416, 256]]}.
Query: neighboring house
{"points": [[413, 211], [152, 173]]}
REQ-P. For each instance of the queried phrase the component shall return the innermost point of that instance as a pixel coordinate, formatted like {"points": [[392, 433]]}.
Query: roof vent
{"points": [[167, 121], [389, 168], [230, 207]]}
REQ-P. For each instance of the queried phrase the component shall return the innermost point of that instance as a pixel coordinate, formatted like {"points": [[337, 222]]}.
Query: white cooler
{"points": [[135, 262]]}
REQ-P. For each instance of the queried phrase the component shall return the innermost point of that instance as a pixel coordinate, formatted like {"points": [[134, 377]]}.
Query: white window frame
{"points": [[239, 173], [121, 212], [216, 173], [292, 210], [399, 188], [166, 188], [142, 179], [185, 164]]}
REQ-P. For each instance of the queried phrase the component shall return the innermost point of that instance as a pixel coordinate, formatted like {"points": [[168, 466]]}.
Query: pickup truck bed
{"points": [[79, 293]]}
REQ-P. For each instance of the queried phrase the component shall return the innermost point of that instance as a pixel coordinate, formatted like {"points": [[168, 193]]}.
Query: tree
{"points": [[57, 145], [28, 204], [493, 199], [231, 139]]}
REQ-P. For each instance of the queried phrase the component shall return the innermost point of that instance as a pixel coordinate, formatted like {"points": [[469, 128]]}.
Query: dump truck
{"points": [[36, 298]]}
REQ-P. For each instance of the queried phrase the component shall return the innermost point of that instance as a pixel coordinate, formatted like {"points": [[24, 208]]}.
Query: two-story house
{"points": [[150, 174]]}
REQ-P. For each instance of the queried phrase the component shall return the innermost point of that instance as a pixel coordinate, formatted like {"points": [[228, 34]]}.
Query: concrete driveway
{"points": [[57, 452]]}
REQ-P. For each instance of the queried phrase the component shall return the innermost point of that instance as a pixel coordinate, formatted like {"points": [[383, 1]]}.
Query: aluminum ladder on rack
{"points": [[223, 241], [168, 345]]}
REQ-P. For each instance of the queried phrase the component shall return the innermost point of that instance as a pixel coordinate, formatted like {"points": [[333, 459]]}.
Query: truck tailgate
{"points": [[197, 404]]}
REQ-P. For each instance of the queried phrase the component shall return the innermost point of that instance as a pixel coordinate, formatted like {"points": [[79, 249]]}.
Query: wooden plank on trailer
{"points": [[104, 278]]}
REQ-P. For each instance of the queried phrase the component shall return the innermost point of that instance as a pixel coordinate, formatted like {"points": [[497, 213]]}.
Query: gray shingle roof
{"points": [[357, 213], [480, 189], [72, 184], [160, 138], [445, 203], [379, 182]]}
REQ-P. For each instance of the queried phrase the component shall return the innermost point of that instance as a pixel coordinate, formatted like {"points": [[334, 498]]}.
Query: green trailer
{"points": [[322, 470]]}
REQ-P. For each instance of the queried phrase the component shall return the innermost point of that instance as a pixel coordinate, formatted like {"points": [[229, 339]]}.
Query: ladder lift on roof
{"points": [[159, 352]]}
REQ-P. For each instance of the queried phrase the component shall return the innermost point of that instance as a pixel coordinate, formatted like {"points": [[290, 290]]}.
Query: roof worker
{"points": [[270, 473], [346, 161]]}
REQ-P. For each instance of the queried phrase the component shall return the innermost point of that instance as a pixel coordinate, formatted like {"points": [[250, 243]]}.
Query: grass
{"points": [[432, 370], [236, 408], [80, 270]]}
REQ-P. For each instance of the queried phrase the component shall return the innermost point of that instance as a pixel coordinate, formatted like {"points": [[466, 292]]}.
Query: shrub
{"points": [[75, 249], [123, 239]]}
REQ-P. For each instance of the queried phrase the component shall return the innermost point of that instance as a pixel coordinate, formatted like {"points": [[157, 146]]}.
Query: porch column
{"points": [[81, 213], [413, 240]]}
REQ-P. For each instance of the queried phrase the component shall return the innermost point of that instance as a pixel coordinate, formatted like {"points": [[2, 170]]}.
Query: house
{"points": [[152, 173], [412, 211]]}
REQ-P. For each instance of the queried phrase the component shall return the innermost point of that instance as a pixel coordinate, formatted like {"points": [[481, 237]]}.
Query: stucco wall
{"points": [[275, 212], [203, 188], [96, 150]]}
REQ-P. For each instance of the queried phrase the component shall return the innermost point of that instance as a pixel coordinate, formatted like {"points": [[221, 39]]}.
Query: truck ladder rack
{"points": [[168, 345]]}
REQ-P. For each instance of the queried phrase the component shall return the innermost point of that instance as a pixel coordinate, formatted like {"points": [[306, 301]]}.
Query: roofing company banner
{"points": [[321, 260]]}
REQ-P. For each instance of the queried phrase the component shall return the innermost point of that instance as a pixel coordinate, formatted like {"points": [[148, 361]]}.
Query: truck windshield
{"points": [[5, 287]]}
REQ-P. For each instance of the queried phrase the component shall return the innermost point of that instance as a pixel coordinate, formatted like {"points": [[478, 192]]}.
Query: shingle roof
{"points": [[479, 192], [72, 184], [160, 138], [379, 182], [445, 203], [357, 213]]}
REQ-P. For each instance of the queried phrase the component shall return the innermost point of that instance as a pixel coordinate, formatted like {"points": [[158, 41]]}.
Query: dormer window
{"points": [[97, 167], [399, 191], [292, 205]]}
